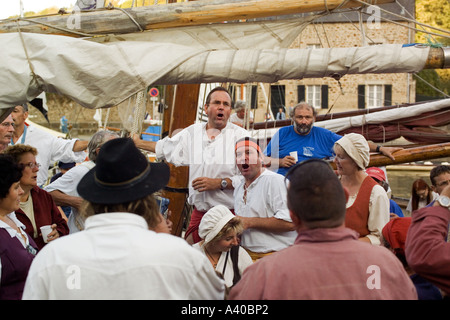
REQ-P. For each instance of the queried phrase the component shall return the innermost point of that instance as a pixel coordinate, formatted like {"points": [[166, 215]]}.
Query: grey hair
{"points": [[302, 104], [239, 105], [97, 140]]}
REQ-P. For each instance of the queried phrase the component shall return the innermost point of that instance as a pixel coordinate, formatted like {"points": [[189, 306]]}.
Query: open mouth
{"points": [[245, 166]]}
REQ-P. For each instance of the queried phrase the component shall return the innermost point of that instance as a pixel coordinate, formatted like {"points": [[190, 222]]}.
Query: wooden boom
{"points": [[429, 152], [421, 153], [120, 21]]}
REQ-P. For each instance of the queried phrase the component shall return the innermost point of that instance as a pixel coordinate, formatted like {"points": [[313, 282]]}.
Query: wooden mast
{"points": [[182, 110], [182, 103], [97, 22]]}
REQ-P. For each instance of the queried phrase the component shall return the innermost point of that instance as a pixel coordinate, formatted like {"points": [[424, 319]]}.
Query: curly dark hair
{"points": [[10, 173]]}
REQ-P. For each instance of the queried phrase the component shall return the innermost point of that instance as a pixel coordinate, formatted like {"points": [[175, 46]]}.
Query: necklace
{"points": [[211, 259]]}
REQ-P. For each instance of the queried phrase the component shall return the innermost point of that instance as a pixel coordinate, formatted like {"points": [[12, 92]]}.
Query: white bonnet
{"points": [[357, 148], [213, 221]]}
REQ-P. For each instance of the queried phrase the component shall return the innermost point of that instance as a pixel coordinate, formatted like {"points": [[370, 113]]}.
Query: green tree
{"points": [[435, 13]]}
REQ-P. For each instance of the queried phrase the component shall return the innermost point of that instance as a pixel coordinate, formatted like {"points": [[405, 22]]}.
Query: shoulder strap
{"points": [[234, 252]]}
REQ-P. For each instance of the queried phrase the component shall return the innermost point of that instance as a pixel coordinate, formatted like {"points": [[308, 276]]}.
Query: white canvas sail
{"points": [[32, 63]]}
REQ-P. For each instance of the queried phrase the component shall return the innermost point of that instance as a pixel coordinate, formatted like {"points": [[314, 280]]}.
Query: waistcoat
{"points": [[357, 215]]}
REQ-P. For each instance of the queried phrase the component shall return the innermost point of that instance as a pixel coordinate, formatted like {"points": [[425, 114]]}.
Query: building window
{"points": [[313, 95], [374, 96], [277, 98], [239, 92]]}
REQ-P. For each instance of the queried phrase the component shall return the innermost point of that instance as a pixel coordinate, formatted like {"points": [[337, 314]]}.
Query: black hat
{"points": [[122, 174]]}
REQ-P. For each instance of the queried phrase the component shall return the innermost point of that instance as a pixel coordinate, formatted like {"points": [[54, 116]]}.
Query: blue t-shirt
{"points": [[318, 143], [395, 208]]}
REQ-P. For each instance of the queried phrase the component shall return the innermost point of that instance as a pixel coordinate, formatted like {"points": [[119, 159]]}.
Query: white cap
{"points": [[213, 221]]}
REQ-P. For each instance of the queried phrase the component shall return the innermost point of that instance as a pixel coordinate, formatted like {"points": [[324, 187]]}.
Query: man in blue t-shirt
{"points": [[304, 141]]}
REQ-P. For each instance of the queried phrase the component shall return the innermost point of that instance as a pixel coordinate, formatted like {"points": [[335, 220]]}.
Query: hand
{"points": [[446, 191], [54, 234], [136, 138], [287, 162], [388, 151], [393, 216], [204, 184], [245, 222]]}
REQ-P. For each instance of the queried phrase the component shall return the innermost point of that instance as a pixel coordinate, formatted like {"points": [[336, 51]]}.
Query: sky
{"points": [[12, 7]]}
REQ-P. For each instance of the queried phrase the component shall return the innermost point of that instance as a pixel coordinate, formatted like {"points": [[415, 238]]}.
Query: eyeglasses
{"points": [[7, 124], [298, 165], [31, 165]]}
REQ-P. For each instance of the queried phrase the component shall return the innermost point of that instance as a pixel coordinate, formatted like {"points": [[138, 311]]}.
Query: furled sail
{"points": [[32, 63]]}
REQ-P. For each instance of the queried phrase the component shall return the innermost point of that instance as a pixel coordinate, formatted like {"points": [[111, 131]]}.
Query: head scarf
{"points": [[357, 148], [213, 221]]}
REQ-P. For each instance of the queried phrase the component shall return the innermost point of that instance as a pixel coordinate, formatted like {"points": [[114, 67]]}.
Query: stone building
{"points": [[352, 91]]}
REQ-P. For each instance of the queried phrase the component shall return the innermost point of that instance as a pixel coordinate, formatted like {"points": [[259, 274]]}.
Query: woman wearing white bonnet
{"points": [[220, 230], [368, 203]]}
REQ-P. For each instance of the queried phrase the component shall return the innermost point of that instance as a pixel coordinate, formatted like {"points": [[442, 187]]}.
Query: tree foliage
{"points": [[435, 13]]}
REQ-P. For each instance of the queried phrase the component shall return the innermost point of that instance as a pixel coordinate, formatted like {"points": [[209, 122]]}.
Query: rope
{"points": [[35, 77], [129, 16]]}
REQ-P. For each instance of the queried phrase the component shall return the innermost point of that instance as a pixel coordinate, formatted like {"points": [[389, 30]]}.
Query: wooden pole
{"points": [[421, 153], [182, 102], [120, 21]]}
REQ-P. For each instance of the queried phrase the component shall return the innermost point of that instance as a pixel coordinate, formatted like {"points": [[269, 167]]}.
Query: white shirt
{"points": [[205, 158], [234, 118], [117, 257], [244, 260], [266, 198], [67, 184], [50, 149]]}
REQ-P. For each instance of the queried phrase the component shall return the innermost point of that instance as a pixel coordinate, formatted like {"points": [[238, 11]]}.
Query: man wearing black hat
{"points": [[117, 256]]}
